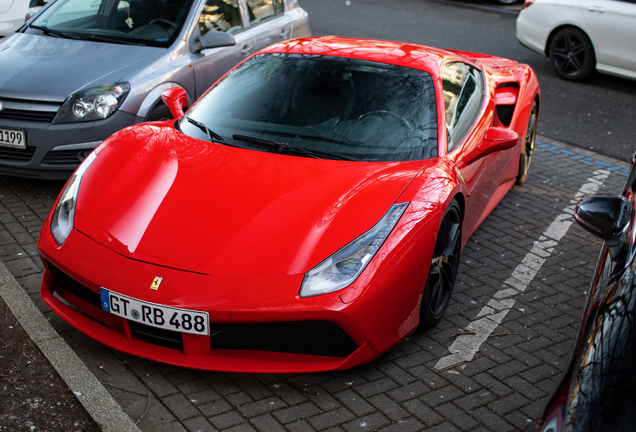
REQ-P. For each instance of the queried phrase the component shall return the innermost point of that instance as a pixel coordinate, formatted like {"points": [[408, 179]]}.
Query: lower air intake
{"points": [[320, 338], [72, 286], [157, 336]]}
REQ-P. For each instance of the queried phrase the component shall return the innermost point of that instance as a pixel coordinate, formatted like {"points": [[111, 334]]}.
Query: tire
{"points": [[507, 2], [160, 112], [443, 271], [572, 54], [527, 149]]}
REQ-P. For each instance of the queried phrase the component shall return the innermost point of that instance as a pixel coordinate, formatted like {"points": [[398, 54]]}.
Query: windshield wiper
{"points": [[213, 135], [57, 33], [91, 37], [98, 38], [282, 147]]}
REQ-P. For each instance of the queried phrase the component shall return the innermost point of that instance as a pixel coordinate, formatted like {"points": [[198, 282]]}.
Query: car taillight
{"points": [[528, 3]]}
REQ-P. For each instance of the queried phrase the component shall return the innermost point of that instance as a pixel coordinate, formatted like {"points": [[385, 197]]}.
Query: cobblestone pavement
{"points": [[504, 387]]}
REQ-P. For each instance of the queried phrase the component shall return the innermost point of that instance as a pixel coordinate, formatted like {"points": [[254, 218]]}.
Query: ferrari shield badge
{"points": [[155, 283]]}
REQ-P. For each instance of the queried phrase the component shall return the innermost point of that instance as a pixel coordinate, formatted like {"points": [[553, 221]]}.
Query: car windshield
{"points": [[143, 22], [333, 106]]}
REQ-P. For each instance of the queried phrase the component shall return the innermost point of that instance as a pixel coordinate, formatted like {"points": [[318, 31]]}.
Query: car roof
{"points": [[410, 55]]}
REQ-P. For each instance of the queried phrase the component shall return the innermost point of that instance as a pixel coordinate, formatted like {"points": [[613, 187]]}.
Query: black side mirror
{"points": [[213, 39], [607, 217]]}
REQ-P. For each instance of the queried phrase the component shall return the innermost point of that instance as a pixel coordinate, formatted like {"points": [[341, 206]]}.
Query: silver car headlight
{"points": [[343, 267], [92, 104], [64, 213]]}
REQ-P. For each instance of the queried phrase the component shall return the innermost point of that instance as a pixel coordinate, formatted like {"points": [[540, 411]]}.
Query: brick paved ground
{"points": [[504, 388]]}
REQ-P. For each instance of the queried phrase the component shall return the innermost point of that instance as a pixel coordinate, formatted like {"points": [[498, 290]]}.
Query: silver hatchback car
{"points": [[83, 69]]}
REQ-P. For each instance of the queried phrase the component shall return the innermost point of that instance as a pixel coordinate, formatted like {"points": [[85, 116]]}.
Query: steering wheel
{"points": [[386, 113], [163, 23]]}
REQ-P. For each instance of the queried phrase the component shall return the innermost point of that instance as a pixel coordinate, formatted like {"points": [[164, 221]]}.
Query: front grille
{"points": [[72, 286], [321, 338], [64, 157], [29, 115], [14, 154], [157, 336]]}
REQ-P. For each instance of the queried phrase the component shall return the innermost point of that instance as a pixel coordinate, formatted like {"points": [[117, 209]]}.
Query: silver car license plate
{"points": [[12, 138], [155, 315]]}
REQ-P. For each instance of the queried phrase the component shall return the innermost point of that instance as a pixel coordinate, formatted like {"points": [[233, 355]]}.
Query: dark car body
{"points": [[598, 390]]}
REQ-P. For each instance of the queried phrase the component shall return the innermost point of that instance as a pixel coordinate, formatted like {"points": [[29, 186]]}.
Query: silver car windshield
{"points": [[143, 22], [332, 106]]}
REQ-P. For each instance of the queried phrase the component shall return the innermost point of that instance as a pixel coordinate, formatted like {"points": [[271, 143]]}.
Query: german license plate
{"points": [[12, 138], [165, 317]]}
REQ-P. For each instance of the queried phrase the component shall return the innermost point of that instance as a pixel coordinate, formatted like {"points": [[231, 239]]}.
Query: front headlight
{"points": [[342, 268], [64, 213], [92, 104]]}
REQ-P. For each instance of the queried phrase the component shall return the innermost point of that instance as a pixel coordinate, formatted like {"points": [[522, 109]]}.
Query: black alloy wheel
{"points": [[572, 54], [527, 151], [160, 112], [443, 270]]}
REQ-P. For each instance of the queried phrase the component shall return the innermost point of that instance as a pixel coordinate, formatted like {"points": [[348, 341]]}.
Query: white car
{"points": [[581, 36], [13, 13]]}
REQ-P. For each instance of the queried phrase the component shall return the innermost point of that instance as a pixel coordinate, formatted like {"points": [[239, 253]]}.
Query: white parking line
{"points": [[466, 346]]}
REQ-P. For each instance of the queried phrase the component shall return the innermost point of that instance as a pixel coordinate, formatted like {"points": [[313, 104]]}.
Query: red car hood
{"points": [[158, 196]]}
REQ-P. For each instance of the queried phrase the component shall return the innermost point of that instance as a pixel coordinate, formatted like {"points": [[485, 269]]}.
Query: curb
{"points": [[101, 406], [511, 10]]}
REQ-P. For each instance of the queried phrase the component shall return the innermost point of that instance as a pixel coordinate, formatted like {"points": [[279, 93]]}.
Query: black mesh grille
{"points": [[157, 336], [14, 114], [14, 154], [64, 157], [322, 338], [72, 286], [505, 112]]}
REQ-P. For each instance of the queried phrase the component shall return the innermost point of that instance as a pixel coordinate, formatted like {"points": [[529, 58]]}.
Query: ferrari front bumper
{"points": [[279, 336], [196, 352]]}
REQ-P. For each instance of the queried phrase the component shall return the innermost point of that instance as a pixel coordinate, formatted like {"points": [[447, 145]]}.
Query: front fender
{"points": [[154, 96]]}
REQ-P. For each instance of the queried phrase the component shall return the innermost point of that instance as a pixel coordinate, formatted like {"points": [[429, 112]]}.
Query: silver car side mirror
{"points": [[213, 39]]}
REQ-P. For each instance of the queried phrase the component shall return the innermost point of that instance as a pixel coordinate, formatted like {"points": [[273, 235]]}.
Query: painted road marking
{"points": [[466, 346]]}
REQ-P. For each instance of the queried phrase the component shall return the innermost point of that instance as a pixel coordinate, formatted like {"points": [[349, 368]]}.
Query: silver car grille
{"points": [[17, 109]]}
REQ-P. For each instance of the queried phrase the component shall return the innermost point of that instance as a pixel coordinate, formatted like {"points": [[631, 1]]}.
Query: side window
{"points": [[260, 10], [220, 15], [463, 96]]}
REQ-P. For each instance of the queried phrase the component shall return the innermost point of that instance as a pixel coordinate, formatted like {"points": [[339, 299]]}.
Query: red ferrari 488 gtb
{"points": [[306, 214]]}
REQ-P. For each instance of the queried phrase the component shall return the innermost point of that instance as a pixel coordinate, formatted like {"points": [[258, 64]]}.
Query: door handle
{"points": [[596, 9], [284, 32], [246, 49]]}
